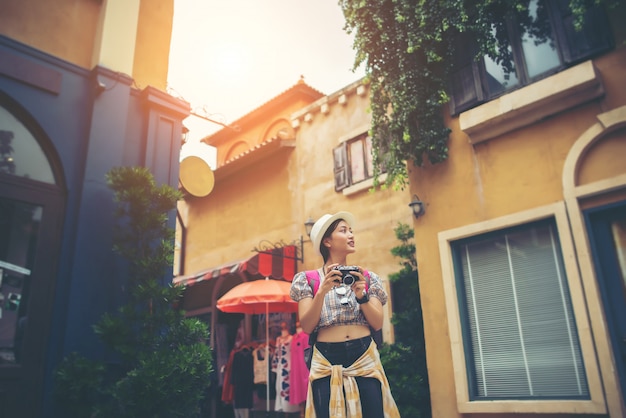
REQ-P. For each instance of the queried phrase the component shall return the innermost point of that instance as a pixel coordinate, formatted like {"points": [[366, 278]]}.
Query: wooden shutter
{"points": [[465, 80], [341, 167]]}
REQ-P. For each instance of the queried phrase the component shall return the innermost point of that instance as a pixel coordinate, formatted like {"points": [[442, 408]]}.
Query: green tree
{"points": [[407, 47], [405, 360], [163, 363]]}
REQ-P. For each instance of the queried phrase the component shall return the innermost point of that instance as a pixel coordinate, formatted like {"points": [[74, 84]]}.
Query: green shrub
{"points": [[163, 363], [405, 360]]}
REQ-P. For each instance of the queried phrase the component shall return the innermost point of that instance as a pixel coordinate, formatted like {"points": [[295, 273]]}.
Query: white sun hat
{"points": [[322, 224]]}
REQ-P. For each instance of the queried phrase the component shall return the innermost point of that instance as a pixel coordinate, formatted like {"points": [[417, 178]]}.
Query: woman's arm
{"points": [[309, 310], [373, 311], [373, 308]]}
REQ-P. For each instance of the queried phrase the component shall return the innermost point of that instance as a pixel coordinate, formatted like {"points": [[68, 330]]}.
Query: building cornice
{"points": [[323, 105]]}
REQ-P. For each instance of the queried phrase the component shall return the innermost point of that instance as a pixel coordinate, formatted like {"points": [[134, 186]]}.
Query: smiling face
{"points": [[341, 240]]}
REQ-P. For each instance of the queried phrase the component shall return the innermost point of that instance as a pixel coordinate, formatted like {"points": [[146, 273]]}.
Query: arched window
{"points": [[20, 153], [32, 200]]}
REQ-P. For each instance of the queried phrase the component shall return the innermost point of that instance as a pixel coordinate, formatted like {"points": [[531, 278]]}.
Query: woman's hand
{"points": [[372, 309], [332, 279], [358, 287]]}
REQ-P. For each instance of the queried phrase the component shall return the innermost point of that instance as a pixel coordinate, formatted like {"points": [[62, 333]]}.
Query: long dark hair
{"points": [[324, 249]]}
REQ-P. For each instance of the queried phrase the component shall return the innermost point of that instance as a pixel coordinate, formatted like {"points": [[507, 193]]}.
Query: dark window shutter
{"points": [[595, 36], [465, 80], [341, 167], [466, 88]]}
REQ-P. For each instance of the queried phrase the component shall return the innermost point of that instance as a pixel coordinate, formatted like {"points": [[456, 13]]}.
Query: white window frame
{"points": [[596, 404]]}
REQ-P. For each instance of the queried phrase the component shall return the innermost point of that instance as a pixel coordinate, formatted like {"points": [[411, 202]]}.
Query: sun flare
{"points": [[228, 61]]}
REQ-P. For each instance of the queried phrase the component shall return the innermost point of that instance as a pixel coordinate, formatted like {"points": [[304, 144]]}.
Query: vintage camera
{"points": [[346, 274]]}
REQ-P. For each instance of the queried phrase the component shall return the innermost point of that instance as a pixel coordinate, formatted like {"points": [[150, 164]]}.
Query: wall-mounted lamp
{"points": [[308, 225], [418, 206], [184, 135]]}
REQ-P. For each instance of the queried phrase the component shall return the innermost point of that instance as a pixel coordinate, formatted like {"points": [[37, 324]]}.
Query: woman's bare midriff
{"points": [[340, 333]]}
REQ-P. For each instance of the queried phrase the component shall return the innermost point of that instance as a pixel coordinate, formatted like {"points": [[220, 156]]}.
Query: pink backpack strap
{"points": [[313, 277], [366, 274]]}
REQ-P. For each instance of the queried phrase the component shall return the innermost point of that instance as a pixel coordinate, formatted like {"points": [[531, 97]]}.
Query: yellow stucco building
{"points": [[521, 252], [298, 156], [522, 244]]}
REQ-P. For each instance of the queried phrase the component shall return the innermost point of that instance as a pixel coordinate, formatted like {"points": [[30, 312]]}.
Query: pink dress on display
{"points": [[299, 372]]}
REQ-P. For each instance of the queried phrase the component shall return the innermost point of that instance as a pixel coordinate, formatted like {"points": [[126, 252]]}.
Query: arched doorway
{"points": [[607, 230], [31, 217], [594, 186]]}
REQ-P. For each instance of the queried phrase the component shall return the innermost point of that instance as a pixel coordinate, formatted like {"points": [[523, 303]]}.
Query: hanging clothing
{"points": [[241, 413], [261, 363], [221, 350], [281, 365], [299, 375], [228, 389], [242, 378]]}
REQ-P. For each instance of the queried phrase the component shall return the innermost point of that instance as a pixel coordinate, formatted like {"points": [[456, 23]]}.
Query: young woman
{"points": [[342, 312]]}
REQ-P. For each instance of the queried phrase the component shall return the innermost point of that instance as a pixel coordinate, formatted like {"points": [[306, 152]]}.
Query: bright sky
{"points": [[228, 57]]}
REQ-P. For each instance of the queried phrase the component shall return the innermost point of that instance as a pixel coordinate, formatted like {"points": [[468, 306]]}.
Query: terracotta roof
{"points": [[300, 88], [254, 154]]}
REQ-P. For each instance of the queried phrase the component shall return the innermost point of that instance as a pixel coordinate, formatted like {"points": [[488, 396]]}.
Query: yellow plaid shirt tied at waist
{"points": [[342, 380]]}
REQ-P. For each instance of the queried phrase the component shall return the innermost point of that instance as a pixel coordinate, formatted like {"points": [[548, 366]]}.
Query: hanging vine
{"points": [[407, 48]]}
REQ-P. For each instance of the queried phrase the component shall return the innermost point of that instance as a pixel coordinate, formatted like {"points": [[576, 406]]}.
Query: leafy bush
{"points": [[164, 365], [405, 361], [408, 50]]}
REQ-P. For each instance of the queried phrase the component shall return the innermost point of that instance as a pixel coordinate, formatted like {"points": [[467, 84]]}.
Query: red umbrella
{"points": [[256, 297]]}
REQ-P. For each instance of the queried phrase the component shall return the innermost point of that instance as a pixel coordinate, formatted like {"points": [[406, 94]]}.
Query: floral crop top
{"points": [[334, 312]]}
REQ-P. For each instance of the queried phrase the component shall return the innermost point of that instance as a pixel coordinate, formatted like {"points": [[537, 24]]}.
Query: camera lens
{"points": [[348, 279]]}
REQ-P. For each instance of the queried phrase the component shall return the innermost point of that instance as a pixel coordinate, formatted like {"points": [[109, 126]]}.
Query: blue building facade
{"points": [[62, 128]]}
